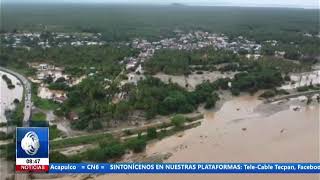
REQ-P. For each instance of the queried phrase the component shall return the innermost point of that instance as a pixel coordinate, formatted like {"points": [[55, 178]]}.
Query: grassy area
{"points": [[54, 132], [5, 136], [44, 103], [307, 88], [39, 116], [8, 151], [88, 139]]}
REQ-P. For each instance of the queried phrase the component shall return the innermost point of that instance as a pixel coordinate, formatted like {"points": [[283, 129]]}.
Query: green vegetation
{"points": [[284, 66], [15, 117], [307, 88], [106, 151], [78, 140], [54, 132], [255, 80], [76, 60], [136, 144], [177, 62], [58, 157], [152, 133], [169, 62], [5, 136], [151, 96], [44, 104], [8, 81], [8, 151], [121, 22], [303, 88], [58, 86], [211, 101], [302, 48], [39, 116], [272, 93], [178, 121]]}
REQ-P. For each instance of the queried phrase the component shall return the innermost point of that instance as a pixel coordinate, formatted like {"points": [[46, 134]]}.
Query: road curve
{"points": [[27, 95]]}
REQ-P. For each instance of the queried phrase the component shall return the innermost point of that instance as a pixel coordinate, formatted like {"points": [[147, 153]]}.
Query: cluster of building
{"points": [[54, 73], [47, 40], [311, 35], [197, 40], [190, 41]]}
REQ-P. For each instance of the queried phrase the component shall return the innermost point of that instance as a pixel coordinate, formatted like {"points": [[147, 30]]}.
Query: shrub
{"points": [[268, 94], [287, 78], [282, 92], [303, 88], [127, 132], [235, 92], [178, 121], [113, 150], [137, 144], [152, 133], [211, 101]]}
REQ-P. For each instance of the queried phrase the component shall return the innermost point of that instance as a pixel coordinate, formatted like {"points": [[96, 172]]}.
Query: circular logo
{"points": [[30, 143]]}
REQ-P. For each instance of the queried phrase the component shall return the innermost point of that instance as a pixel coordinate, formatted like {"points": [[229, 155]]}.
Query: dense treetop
{"points": [[118, 22]]}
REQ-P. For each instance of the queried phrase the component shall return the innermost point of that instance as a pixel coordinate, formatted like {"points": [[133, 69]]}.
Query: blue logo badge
{"points": [[32, 142]]}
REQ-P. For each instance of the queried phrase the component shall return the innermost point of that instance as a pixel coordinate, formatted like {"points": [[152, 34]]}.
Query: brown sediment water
{"points": [[238, 133]]}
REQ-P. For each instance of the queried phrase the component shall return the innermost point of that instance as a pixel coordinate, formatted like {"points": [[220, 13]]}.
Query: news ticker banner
{"points": [[32, 155], [185, 168]]}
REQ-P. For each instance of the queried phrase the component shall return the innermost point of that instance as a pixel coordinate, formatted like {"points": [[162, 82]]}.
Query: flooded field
{"points": [[242, 131], [194, 79], [7, 96], [303, 79]]}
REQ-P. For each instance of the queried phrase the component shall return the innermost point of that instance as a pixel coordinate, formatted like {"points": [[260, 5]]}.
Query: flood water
{"points": [[239, 133], [7, 96]]}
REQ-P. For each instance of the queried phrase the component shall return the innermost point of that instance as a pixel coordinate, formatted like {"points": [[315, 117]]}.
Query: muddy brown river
{"points": [[239, 133]]}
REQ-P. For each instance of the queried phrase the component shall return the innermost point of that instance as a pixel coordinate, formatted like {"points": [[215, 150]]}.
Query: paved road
{"points": [[27, 95]]}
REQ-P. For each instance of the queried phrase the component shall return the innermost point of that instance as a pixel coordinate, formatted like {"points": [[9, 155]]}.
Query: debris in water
{"points": [[167, 156], [295, 108]]}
